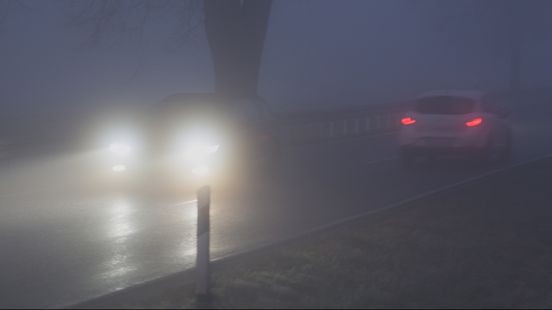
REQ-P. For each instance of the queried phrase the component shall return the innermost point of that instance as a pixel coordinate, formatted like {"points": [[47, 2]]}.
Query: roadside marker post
{"points": [[203, 243]]}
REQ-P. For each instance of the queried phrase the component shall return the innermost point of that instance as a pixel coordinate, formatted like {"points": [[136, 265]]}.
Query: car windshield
{"points": [[445, 105]]}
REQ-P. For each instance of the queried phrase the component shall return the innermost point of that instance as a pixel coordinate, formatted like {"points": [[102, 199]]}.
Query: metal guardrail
{"points": [[327, 125]]}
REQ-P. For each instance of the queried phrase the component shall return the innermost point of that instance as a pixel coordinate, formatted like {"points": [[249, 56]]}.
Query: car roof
{"points": [[472, 94], [180, 104]]}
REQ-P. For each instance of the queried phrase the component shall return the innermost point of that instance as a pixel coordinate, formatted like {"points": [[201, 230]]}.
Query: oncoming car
{"points": [[458, 124], [243, 129], [192, 137]]}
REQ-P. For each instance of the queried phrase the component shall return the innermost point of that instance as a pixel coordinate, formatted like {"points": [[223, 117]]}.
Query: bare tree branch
{"points": [[123, 20], [235, 31]]}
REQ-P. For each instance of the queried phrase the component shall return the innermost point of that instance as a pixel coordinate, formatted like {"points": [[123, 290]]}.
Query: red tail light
{"points": [[475, 122], [408, 121]]}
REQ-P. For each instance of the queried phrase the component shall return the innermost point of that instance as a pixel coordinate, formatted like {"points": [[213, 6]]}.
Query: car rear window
{"points": [[445, 105]]}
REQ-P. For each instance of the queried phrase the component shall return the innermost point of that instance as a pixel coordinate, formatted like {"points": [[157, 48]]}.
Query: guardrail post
{"points": [[321, 131], [203, 243], [345, 127], [313, 131]]}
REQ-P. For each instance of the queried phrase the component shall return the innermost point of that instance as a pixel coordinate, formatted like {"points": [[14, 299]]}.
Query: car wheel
{"points": [[493, 153]]}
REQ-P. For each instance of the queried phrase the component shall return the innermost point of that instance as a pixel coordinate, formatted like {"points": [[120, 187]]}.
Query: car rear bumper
{"points": [[469, 140], [442, 151]]}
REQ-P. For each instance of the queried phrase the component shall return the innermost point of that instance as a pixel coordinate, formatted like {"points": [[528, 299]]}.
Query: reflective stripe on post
{"points": [[203, 242]]}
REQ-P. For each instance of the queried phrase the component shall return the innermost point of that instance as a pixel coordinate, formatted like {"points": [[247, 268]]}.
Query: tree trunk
{"points": [[236, 32]]}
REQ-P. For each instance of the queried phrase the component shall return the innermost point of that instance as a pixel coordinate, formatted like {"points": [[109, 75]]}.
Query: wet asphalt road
{"points": [[63, 240]]}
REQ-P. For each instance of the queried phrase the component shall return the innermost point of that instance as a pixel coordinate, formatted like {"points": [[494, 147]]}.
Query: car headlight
{"points": [[199, 150], [200, 155], [119, 168], [120, 149], [201, 171], [120, 156]]}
